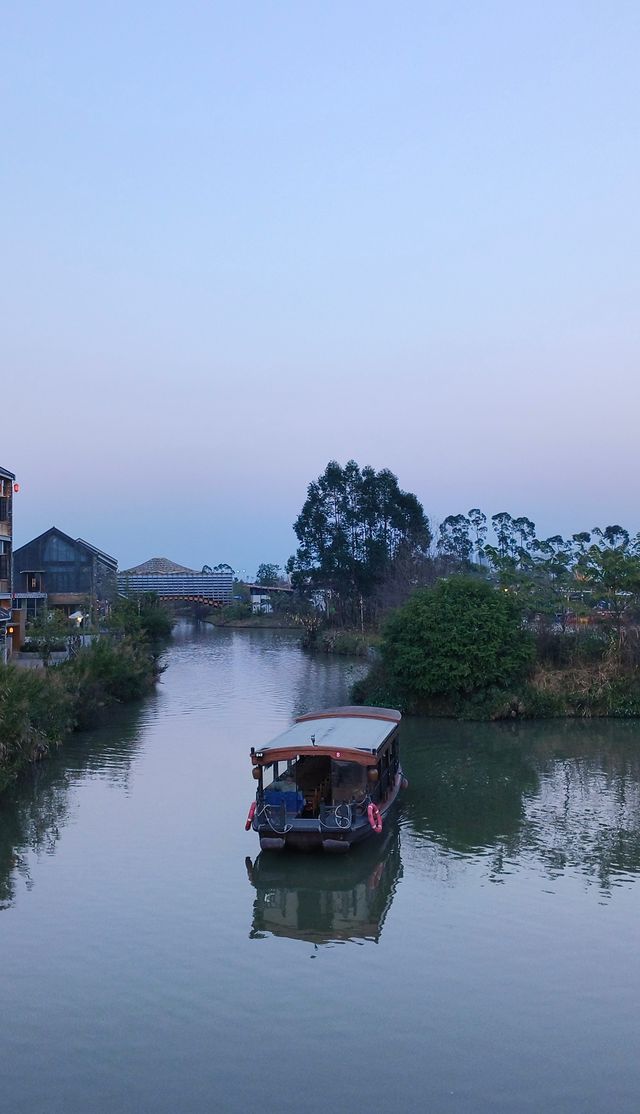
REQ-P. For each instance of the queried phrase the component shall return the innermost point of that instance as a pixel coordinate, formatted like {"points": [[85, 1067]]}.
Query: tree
{"points": [[478, 522], [505, 533], [144, 616], [268, 574], [47, 632], [612, 571], [525, 530], [454, 540], [354, 525], [461, 636]]}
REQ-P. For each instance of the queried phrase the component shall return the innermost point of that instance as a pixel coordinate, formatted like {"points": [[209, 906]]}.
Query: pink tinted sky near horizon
{"points": [[239, 243]]}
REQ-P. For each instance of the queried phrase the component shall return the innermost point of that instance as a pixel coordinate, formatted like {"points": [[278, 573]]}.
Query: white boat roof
{"points": [[351, 727]]}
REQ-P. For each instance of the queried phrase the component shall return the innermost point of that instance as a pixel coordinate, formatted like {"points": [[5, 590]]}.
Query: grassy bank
{"points": [[350, 643], [252, 622], [39, 708], [585, 691]]}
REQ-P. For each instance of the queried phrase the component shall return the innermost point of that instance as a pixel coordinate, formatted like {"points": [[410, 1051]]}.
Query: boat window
{"points": [[269, 773]]}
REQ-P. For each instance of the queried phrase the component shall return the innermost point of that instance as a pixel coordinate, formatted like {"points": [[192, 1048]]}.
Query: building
{"points": [[56, 570], [7, 485], [176, 582], [261, 596]]}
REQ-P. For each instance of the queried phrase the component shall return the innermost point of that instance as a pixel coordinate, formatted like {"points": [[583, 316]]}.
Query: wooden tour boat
{"points": [[328, 781]]}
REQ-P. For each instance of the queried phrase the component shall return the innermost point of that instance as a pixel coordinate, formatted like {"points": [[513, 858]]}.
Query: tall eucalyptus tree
{"points": [[354, 525]]}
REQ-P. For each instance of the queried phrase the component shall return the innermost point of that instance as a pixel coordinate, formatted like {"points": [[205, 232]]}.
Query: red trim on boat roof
{"points": [[267, 757]]}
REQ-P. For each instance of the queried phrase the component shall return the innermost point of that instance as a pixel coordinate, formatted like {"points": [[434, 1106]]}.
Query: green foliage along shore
{"points": [[39, 708], [483, 618], [462, 649], [458, 637]]}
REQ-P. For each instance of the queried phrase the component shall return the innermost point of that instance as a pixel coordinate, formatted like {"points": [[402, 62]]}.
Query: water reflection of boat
{"points": [[322, 901]]}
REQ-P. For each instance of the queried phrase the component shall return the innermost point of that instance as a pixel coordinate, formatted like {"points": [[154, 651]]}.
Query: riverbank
{"points": [[576, 692], [463, 650], [253, 622], [40, 708], [346, 642]]}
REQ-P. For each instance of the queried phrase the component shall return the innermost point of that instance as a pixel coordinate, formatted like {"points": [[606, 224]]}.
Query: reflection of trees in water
{"points": [[566, 793], [323, 898], [35, 810], [324, 680]]}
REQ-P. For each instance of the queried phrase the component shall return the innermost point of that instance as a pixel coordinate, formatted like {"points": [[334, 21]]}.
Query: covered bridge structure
{"points": [[213, 587]]}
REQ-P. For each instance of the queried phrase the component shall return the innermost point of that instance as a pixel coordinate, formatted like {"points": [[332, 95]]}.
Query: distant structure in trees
{"points": [[261, 596]]}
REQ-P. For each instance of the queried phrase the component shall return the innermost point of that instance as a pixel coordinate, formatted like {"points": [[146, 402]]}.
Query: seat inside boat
{"points": [[313, 778]]}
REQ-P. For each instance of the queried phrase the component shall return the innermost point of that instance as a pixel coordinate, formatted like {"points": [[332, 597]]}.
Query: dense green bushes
{"points": [[143, 616], [461, 649], [459, 637], [107, 673], [39, 707], [36, 712]]}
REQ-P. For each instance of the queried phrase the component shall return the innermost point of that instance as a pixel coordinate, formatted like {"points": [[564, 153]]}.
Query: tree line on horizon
{"points": [[367, 545]]}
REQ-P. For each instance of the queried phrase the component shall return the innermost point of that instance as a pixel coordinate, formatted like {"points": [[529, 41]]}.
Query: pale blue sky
{"points": [[240, 240]]}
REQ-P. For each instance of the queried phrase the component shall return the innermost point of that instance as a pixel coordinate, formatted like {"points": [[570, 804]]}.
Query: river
{"points": [[483, 957]]}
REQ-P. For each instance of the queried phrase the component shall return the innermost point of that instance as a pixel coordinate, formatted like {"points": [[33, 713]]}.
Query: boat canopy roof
{"points": [[348, 728]]}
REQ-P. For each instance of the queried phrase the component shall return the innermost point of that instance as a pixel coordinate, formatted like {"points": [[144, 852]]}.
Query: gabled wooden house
{"points": [[63, 572]]}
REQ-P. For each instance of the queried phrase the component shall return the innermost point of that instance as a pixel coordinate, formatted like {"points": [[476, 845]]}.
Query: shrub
{"points": [[460, 637], [39, 707], [36, 712], [142, 615], [108, 673]]}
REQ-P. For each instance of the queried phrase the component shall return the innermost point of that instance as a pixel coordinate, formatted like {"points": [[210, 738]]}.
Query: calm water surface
{"points": [[483, 957]]}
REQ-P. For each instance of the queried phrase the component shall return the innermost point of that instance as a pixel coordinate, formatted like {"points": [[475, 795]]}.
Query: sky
{"points": [[241, 240]]}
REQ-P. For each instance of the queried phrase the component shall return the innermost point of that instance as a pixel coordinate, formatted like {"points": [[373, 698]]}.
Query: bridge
{"points": [[212, 588]]}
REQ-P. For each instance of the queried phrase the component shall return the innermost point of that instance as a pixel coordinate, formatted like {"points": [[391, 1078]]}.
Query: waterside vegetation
{"points": [[39, 708], [480, 618]]}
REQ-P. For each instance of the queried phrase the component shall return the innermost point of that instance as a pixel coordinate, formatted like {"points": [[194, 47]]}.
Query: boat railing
{"points": [[277, 816], [337, 817], [334, 816]]}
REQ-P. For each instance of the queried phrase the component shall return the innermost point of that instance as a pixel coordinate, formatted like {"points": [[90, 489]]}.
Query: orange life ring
{"points": [[250, 817], [375, 819]]}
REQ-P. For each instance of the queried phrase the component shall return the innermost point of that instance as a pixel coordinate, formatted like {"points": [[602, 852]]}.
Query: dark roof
{"points": [[98, 552], [6, 474], [73, 541], [157, 566], [268, 588]]}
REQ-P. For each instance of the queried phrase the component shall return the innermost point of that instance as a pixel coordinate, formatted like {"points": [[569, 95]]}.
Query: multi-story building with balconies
{"points": [[7, 481]]}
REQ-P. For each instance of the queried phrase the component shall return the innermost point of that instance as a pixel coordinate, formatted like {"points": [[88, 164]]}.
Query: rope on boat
{"points": [[265, 811], [341, 821]]}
